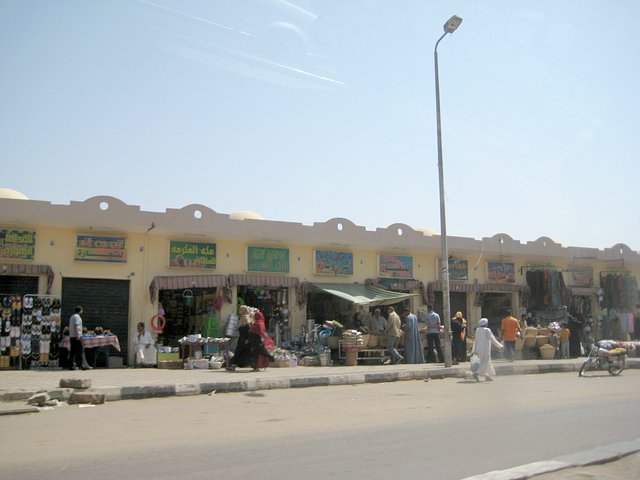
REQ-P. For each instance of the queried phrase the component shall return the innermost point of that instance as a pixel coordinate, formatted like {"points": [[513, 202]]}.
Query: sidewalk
{"points": [[133, 383]]}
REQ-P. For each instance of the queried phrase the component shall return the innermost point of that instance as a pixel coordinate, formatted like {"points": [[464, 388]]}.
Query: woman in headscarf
{"points": [[482, 347], [260, 342], [413, 350], [458, 350], [242, 356]]}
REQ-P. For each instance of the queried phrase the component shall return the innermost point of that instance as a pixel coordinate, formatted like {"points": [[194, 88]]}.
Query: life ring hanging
{"points": [[158, 328]]}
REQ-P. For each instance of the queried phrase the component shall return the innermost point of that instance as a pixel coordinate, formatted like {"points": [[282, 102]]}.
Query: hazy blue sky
{"points": [[304, 111]]}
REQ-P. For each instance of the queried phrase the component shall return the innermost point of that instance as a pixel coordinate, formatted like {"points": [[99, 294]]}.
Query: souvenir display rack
{"points": [[30, 331]]}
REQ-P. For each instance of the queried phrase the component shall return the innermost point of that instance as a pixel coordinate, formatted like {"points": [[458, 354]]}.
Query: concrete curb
{"points": [[599, 455], [326, 378]]}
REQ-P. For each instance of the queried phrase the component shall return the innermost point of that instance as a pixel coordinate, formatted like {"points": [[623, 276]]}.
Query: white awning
{"points": [[362, 294]]}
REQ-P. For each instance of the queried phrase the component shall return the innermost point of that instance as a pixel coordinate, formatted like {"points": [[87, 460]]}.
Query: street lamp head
{"points": [[453, 23]]}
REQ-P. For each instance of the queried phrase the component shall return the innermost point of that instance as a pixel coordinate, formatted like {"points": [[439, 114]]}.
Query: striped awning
{"points": [[30, 271], [362, 294], [479, 287], [257, 280], [182, 282]]}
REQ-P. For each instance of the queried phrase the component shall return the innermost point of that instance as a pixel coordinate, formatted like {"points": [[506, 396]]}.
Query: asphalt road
{"points": [[442, 429]]}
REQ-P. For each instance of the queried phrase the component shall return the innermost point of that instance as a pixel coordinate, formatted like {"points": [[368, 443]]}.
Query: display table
{"points": [[93, 341], [100, 343], [188, 346]]}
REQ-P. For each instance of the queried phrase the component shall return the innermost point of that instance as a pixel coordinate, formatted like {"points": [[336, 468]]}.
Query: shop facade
{"points": [[194, 266]]}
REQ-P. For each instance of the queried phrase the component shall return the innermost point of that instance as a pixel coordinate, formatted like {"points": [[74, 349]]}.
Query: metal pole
{"points": [[444, 253]]}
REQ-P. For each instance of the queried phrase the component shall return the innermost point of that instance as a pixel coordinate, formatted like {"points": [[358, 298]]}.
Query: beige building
{"points": [[193, 265]]}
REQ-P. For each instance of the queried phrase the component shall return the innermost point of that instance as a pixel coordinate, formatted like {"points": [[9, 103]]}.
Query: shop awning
{"points": [[258, 280], [29, 270], [182, 282], [362, 294]]}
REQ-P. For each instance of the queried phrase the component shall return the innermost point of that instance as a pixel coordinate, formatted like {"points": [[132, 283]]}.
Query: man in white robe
{"points": [[144, 346], [482, 348]]}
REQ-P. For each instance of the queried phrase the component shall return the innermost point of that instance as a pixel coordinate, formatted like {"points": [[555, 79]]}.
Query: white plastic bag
{"points": [[475, 363]]}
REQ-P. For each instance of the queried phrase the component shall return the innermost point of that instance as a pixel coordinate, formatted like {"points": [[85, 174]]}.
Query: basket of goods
{"points": [[542, 340], [352, 340], [547, 351]]}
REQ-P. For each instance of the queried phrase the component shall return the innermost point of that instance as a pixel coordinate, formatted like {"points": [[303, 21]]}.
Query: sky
{"points": [[304, 111]]}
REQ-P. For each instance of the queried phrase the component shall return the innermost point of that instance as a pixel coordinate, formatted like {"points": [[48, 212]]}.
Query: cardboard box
{"points": [[193, 364], [173, 356], [171, 364]]}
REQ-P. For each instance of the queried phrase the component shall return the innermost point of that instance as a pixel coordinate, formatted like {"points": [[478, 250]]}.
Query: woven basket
{"points": [[547, 352]]}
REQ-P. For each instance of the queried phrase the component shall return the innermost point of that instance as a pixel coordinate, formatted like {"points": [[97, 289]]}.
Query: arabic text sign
{"points": [[101, 248], [331, 262], [19, 244], [192, 254], [268, 259]]}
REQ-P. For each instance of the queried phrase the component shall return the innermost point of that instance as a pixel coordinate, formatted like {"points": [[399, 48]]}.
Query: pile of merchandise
{"points": [[352, 339]]}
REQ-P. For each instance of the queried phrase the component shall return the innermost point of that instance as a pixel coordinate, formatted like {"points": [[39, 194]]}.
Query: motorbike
{"points": [[605, 355]]}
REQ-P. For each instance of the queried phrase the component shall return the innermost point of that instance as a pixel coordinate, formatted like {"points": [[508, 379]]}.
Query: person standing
{"points": [[564, 335], [377, 323], [242, 356], [77, 357], [457, 334], [509, 330], [260, 342], [413, 352], [432, 320], [393, 332], [575, 337], [482, 348]]}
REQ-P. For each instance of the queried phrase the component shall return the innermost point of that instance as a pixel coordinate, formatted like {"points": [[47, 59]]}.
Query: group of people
{"points": [[408, 324], [252, 348], [395, 325]]}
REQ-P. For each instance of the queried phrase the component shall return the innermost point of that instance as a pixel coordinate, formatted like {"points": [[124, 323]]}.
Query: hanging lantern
{"points": [[187, 298]]}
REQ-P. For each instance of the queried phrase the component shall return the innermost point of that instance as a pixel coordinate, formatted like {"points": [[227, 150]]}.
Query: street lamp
{"points": [[449, 27]]}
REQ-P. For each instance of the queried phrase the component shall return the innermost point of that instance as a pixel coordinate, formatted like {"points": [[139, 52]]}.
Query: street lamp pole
{"points": [[449, 27]]}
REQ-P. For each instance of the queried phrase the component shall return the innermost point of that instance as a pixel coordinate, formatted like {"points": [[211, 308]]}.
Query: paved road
{"points": [[445, 429]]}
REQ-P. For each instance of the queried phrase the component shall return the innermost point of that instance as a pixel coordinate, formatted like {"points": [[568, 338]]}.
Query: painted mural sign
{"points": [[192, 254], [331, 262], [501, 272], [17, 244], [582, 277], [458, 269], [101, 248], [395, 266], [268, 259]]}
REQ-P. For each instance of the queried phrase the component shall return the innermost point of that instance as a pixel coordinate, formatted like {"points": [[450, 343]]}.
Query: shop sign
{"points": [[395, 266], [268, 259], [458, 269], [101, 248], [582, 277], [501, 272], [192, 254], [331, 262], [17, 244]]}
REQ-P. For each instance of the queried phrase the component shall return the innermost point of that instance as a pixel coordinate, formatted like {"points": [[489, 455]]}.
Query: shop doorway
{"points": [[18, 285], [271, 301], [457, 303], [187, 312], [494, 308], [105, 303]]}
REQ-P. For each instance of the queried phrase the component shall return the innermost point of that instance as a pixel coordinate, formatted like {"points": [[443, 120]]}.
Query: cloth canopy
{"points": [[362, 294]]}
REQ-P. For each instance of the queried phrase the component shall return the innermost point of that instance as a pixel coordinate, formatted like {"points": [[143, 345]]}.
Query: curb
{"points": [[114, 393], [597, 456]]}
